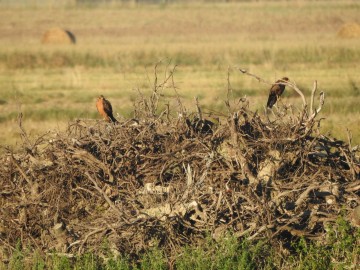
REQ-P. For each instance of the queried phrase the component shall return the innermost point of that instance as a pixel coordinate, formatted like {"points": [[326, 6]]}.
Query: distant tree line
{"points": [[155, 1], [57, 3]]}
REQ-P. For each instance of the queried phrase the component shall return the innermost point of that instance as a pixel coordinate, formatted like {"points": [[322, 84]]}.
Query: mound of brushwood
{"points": [[172, 179]]}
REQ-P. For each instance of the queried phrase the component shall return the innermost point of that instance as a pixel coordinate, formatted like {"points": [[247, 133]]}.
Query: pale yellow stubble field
{"points": [[118, 46]]}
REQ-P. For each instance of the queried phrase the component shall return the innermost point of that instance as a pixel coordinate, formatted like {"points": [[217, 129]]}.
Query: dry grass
{"points": [[117, 48]]}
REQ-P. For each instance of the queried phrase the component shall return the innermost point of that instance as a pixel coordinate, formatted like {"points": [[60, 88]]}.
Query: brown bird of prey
{"points": [[105, 109], [276, 91]]}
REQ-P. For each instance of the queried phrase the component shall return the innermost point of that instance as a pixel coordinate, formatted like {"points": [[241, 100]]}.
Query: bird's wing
{"points": [[272, 100], [107, 107], [276, 89], [108, 110]]}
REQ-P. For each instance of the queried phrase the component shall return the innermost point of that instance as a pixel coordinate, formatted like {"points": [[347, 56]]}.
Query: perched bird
{"points": [[105, 109], [276, 91]]}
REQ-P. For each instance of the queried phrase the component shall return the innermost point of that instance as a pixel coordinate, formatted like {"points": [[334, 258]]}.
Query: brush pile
{"points": [[171, 179]]}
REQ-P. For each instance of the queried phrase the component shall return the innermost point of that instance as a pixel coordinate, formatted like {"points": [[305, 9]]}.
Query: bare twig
{"points": [[107, 199], [293, 86], [198, 108], [23, 132], [312, 98]]}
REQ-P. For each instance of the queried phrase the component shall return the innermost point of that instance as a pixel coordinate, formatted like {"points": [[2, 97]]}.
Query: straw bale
{"points": [[58, 36], [349, 30]]}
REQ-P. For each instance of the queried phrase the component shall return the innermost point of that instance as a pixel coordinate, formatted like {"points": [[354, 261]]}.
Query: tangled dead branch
{"points": [[158, 179]]}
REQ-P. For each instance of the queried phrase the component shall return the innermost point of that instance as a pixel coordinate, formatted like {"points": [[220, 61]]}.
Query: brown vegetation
{"points": [[169, 180], [58, 36], [349, 30]]}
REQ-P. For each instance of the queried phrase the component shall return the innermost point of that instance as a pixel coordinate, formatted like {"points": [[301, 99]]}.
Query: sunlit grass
{"points": [[119, 45]]}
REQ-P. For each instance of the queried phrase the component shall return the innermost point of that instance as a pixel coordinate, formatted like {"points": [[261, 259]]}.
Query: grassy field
{"points": [[118, 47]]}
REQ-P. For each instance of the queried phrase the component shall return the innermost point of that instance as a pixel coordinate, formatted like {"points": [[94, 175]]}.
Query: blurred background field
{"points": [[118, 44]]}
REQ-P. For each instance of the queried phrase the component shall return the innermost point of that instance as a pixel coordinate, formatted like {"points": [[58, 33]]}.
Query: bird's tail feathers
{"points": [[113, 119], [271, 102]]}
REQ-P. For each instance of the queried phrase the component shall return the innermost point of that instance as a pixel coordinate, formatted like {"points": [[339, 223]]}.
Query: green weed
{"points": [[17, 259], [339, 252], [153, 259]]}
